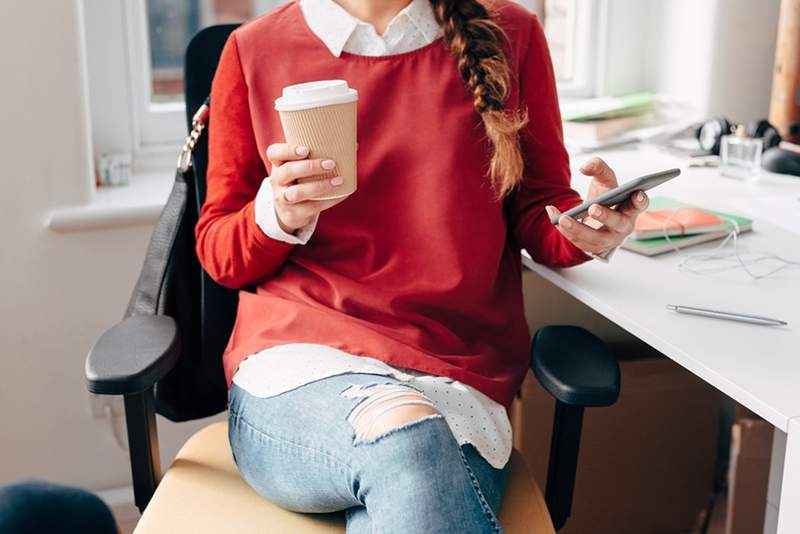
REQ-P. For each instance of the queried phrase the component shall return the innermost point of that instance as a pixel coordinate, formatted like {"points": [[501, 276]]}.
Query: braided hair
{"points": [[476, 42]]}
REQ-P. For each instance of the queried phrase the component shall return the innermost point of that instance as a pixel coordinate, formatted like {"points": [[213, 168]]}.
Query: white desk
{"points": [[757, 366]]}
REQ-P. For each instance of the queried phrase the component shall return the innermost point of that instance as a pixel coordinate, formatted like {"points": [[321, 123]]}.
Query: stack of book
{"points": [[669, 224], [592, 123]]}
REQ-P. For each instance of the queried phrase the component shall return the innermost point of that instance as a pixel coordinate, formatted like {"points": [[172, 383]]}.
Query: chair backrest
{"points": [[200, 64], [204, 310]]}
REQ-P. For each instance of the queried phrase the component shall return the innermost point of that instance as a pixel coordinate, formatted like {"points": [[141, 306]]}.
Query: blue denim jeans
{"points": [[299, 450]]}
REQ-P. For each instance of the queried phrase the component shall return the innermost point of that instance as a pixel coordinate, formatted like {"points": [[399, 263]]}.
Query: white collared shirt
{"points": [[413, 27]]}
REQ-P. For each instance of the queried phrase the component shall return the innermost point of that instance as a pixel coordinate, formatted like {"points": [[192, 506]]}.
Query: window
{"points": [[559, 24], [574, 29], [170, 26], [135, 57], [161, 29]]}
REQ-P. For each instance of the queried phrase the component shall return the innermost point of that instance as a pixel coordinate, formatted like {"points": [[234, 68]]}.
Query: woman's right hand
{"points": [[293, 204]]}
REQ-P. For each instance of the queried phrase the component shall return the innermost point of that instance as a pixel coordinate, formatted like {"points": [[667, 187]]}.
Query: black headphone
{"points": [[710, 133]]}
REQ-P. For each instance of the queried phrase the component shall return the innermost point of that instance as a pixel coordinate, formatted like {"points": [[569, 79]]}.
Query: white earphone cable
{"points": [[719, 260]]}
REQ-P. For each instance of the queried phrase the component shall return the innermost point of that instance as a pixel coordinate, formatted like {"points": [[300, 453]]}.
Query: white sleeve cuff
{"points": [[267, 219]]}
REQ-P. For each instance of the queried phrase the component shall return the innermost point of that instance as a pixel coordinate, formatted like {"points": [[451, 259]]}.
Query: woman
{"points": [[372, 369]]}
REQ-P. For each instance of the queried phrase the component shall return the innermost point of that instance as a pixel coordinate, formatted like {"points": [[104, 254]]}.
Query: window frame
{"points": [[589, 50], [154, 123]]}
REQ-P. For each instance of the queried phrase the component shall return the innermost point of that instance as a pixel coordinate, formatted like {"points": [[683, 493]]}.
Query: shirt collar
{"points": [[334, 25], [419, 12]]}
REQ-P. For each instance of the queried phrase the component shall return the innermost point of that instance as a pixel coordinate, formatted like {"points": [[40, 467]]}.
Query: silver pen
{"points": [[729, 316]]}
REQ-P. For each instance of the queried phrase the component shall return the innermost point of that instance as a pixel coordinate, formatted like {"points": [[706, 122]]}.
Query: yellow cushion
{"points": [[202, 492]]}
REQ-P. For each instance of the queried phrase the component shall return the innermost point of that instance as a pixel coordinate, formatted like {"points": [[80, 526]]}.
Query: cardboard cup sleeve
{"points": [[330, 133]]}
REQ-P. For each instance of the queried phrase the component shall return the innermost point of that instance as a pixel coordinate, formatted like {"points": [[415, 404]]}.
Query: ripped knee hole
{"points": [[386, 407]]}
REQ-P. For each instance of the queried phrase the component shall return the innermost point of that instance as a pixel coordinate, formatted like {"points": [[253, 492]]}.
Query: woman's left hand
{"points": [[605, 228]]}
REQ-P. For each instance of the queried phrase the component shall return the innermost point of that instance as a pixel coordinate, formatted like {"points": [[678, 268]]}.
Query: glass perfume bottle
{"points": [[741, 155]]}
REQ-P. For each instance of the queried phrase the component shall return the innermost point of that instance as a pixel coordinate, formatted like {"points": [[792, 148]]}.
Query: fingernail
{"points": [[566, 223], [328, 164], [301, 151], [640, 197], [337, 180], [595, 211]]}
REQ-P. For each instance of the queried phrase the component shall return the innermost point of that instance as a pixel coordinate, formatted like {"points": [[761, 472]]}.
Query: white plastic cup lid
{"points": [[315, 94]]}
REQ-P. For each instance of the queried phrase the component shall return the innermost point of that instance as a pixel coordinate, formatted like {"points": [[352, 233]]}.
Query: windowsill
{"points": [[138, 203]]}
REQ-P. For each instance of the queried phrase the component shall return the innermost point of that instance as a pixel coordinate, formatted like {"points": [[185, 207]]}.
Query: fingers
{"points": [[616, 224], [293, 201], [297, 193], [552, 211], [278, 153], [294, 205], [601, 172], [612, 219], [290, 171], [587, 238], [584, 237], [635, 205]]}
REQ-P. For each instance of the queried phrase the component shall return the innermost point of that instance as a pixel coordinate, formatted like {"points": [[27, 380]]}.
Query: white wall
{"points": [[716, 55], [744, 58], [59, 291], [627, 25]]}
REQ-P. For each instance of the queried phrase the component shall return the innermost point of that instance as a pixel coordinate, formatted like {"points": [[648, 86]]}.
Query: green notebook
{"points": [[660, 245], [607, 107]]}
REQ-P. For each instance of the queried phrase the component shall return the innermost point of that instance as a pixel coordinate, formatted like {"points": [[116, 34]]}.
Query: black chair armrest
{"points": [[128, 360], [575, 367], [578, 370], [133, 355]]}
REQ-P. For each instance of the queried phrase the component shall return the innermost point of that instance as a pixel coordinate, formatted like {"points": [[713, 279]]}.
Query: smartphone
{"points": [[619, 195]]}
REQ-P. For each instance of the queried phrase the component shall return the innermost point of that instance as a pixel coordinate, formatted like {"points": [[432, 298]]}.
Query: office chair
{"points": [[165, 357]]}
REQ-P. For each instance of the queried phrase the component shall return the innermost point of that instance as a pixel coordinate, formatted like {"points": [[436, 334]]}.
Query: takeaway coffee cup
{"points": [[322, 116]]}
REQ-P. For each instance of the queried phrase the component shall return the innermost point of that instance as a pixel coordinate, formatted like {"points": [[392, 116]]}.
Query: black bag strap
{"points": [[147, 293]]}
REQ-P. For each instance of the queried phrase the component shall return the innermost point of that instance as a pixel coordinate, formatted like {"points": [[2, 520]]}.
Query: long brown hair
{"points": [[476, 42]]}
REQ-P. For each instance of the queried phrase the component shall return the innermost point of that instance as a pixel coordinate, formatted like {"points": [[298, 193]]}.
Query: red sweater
{"points": [[420, 267]]}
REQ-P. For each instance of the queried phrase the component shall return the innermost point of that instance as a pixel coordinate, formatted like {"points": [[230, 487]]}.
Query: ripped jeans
{"points": [[326, 446]]}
